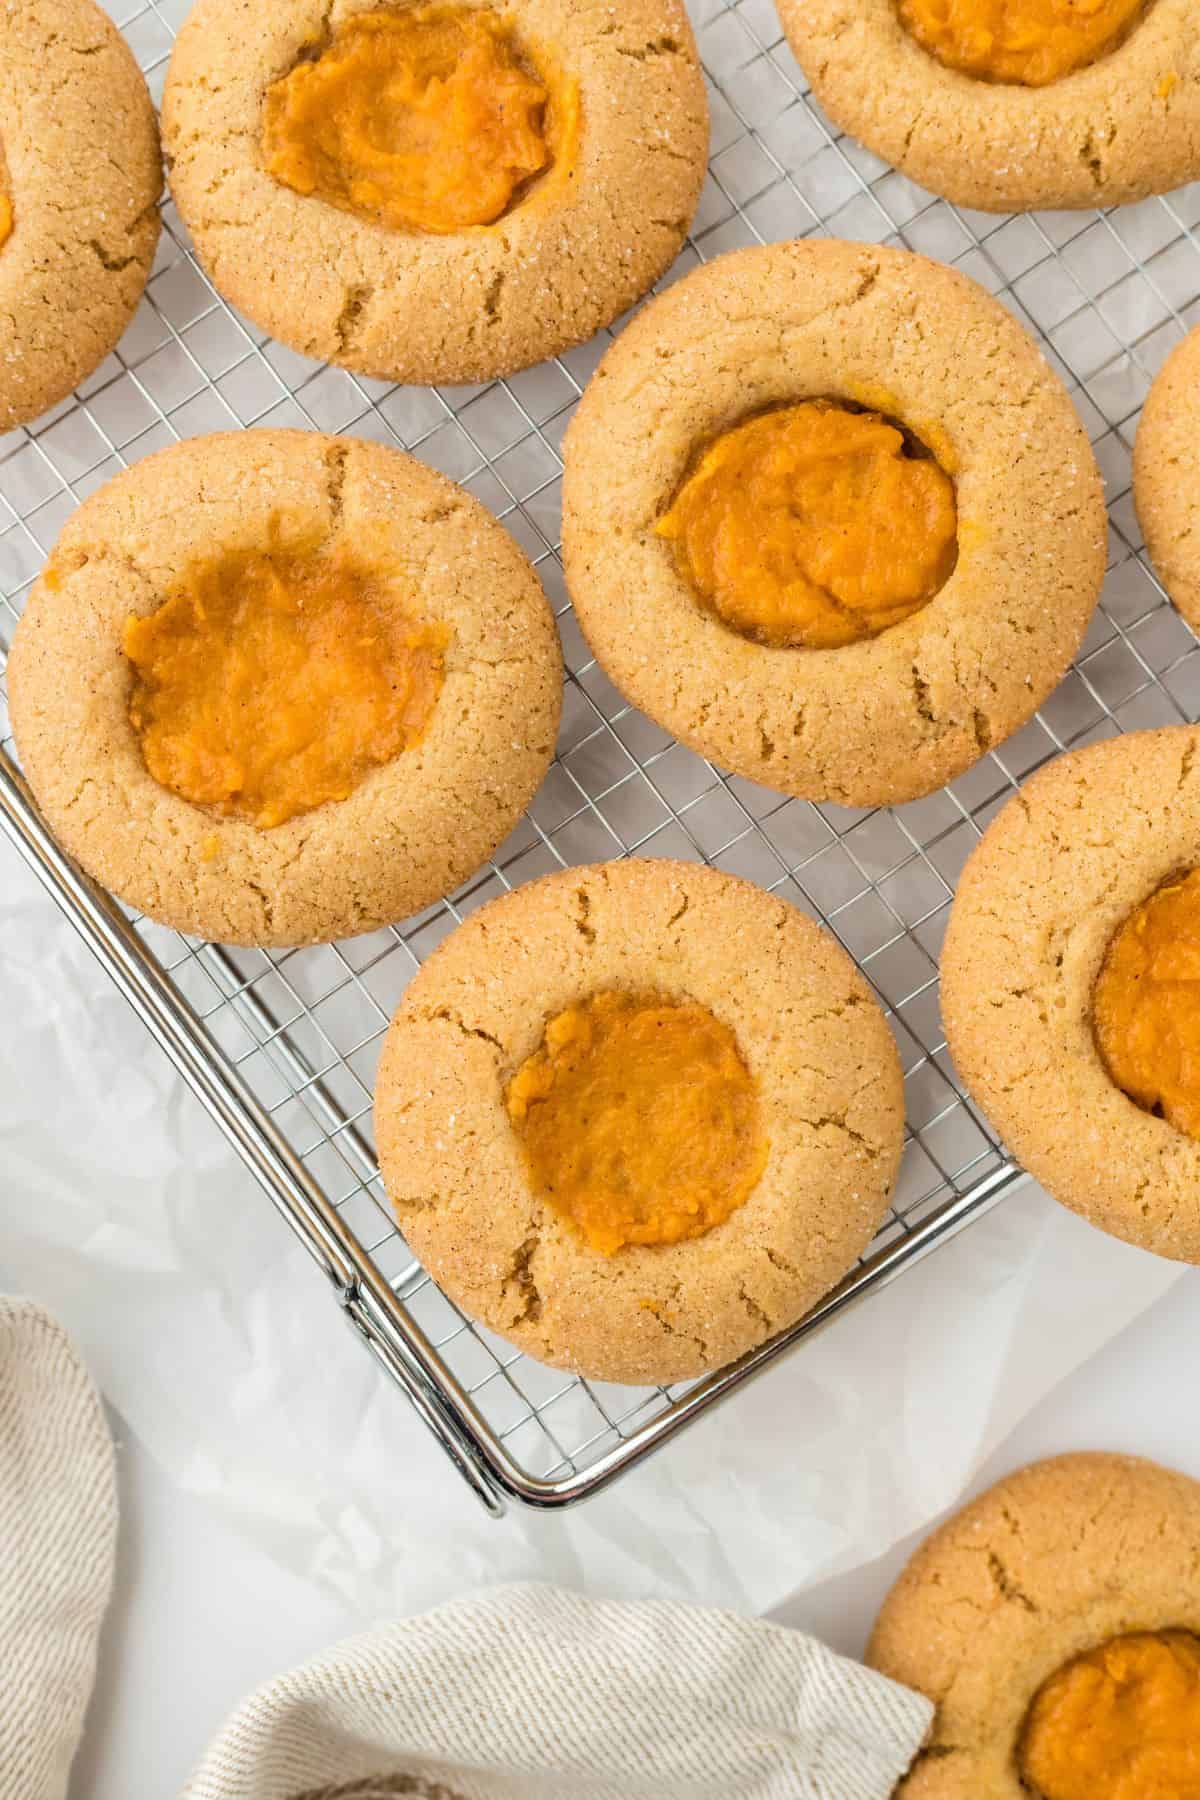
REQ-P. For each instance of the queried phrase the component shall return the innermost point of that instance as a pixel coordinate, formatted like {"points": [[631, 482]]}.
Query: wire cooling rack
{"points": [[282, 1047]]}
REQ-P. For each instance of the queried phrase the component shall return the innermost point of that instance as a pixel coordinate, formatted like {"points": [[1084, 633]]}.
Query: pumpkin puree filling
{"points": [[814, 525], [1025, 43], [1146, 1006], [268, 683], [638, 1119], [433, 119], [1121, 1722]]}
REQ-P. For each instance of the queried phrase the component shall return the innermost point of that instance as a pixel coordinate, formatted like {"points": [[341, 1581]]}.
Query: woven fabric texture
{"points": [[58, 1534], [535, 1693]]}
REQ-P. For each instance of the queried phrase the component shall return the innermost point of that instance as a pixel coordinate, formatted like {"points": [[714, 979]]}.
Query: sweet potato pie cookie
{"points": [[1055, 1624], [80, 176], [830, 519], [436, 192], [278, 688], [1071, 984], [1166, 476], [639, 1117], [1008, 105]]}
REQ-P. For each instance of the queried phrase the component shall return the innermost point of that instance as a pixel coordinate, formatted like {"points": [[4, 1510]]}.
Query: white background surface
{"points": [[200, 1617]]}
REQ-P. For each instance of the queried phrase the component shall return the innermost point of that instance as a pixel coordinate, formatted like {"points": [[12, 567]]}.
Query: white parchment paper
{"points": [[124, 1210]]}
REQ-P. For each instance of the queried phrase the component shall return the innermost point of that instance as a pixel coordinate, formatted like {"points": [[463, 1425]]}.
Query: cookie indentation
{"points": [[639, 1120], [1121, 1722], [1147, 1005], [1024, 43], [434, 119], [268, 683], [814, 525]]}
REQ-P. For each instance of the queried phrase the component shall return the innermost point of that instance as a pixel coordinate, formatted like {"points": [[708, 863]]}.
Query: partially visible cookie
{"points": [[80, 176], [278, 688], [656, 1005], [1123, 124], [1166, 476], [1065, 1559], [1067, 865], [509, 225], [963, 397]]}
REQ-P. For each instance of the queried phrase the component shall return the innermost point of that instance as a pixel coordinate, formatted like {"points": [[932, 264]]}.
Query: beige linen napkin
{"points": [[535, 1693], [58, 1533]]}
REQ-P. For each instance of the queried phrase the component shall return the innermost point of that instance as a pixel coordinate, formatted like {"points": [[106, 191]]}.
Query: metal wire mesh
{"points": [[296, 1035]]}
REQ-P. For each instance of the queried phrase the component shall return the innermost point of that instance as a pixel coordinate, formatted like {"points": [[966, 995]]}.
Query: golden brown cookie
{"points": [[1121, 126], [80, 176], [604, 192], [897, 714], [1166, 476], [418, 572], [464, 1065], [1050, 1564], [1071, 858]]}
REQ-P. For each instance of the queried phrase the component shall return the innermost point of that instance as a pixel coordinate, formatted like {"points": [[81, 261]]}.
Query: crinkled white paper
{"points": [[124, 1210]]}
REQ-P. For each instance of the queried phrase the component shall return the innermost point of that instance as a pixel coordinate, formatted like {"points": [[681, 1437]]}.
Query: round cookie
{"points": [[1118, 129], [896, 715], [574, 249], [80, 176], [1058, 872], [413, 827], [809, 1032], [1166, 476], [1049, 1564]]}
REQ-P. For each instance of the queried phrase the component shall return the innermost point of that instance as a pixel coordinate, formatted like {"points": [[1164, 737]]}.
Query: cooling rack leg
{"points": [[429, 1404]]}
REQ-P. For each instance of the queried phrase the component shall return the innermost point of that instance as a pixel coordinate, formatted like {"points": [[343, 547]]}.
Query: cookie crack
{"points": [[1007, 1587], [679, 913], [335, 479], [412, 1203], [71, 562], [1090, 158], [354, 301], [491, 298], [837, 1122], [920, 691], [113, 264], [586, 930], [520, 1275], [838, 1010], [437, 515], [266, 902], [756, 1312], [659, 46], [652, 1307], [448, 1016], [804, 327]]}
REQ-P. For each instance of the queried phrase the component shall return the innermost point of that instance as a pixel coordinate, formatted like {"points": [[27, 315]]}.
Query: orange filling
{"points": [[6, 218], [639, 1120], [1119, 1723], [431, 119], [269, 683], [814, 525], [1026, 42], [1147, 1005]]}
